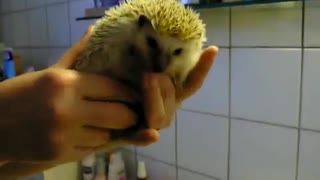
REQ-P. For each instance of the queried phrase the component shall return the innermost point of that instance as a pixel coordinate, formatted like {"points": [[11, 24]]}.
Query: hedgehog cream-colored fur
{"points": [[144, 36]]}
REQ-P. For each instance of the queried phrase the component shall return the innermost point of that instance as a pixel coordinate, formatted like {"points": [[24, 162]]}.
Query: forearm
{"points": [[15, 170]]}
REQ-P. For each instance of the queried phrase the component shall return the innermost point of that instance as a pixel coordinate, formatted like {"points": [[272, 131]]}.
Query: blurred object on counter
{"points": [[17, 64], [1, 75], [8, 64], [142, 171], [117, 168], [100, 168], [1, 62]]}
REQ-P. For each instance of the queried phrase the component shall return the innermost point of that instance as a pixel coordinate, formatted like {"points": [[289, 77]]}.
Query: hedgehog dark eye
{"points": [[152, 42], [177, 52]]}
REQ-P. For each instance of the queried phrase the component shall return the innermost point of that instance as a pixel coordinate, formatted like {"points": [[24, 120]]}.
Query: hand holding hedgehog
{"points": [[141, 37], [23, 163], [144, 65]]}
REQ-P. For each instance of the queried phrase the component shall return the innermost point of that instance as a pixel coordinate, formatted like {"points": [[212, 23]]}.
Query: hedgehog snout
{"points": [[160, 63]]}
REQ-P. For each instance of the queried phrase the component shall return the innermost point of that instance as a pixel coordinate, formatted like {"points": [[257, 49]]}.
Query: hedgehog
{"points": [[141, 36]]}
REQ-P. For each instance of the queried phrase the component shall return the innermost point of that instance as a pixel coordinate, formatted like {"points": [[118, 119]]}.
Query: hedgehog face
{"points": [[164, 53], [181, 56]]}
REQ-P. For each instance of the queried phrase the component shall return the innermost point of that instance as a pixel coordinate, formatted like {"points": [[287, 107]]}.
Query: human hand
{"points": [[162, 99], [52, 116]]}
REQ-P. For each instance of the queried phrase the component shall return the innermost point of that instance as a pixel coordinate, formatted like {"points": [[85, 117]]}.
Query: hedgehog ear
{"points": [[144, 21]]}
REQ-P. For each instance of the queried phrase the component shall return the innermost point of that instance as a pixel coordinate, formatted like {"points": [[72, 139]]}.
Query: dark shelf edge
{"points": [[215, 5]]}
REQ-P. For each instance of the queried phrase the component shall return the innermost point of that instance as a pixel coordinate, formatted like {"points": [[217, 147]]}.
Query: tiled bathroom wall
{"points": [[255, 118]]}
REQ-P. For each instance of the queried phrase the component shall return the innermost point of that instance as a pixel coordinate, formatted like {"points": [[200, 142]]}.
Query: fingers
{"points": [[160, 102], [169, 99], [70, 56], [144, 137], [92, 137], [154, 107], [106, 115], [101, 106], [199, 73], [96, 87]]}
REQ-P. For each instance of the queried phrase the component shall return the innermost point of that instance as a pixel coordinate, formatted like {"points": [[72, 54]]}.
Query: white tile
{"points": [[163, 150], [1, 28], [217, 26], [262, 152], [40, 58], [55, 1], [59, 29], [5, 5], [203, 143], [78, 28], [265, 85], [213, 95], [55, 55], [38, 27], [20, 29], [312, 26], [309, 156], [6, 28], [159, 171], [35, 3], [16, 5], [187, 175], [310, 92], [274, 25]]}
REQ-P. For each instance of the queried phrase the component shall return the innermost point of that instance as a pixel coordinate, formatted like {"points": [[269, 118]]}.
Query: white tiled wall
{"points": [[256, 117]]}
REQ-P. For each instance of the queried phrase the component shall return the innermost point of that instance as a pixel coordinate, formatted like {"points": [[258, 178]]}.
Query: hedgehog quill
{"points": [[139, 36]]}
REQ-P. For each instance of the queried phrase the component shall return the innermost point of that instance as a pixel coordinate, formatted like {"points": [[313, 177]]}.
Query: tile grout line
{"points": [[179, 167], [47, 29], [199, 173], [69, 21], [301, 89], [251, 120], [29, 28], [176, 145], [229, 97]]}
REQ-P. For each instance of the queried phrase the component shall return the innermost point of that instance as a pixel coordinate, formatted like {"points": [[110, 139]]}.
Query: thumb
{"points": [[70, 56], [198, 74]]}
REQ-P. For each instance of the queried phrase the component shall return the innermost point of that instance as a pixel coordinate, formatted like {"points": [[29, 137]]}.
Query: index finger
{"points": [[198, 74], [69, 57]]}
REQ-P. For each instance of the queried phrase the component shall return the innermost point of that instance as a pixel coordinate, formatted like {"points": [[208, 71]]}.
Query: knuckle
{"points": [[58, 79], [52, 79]]}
